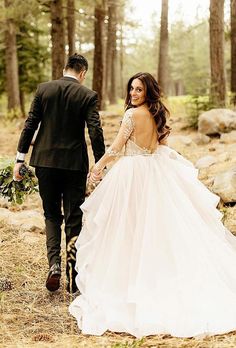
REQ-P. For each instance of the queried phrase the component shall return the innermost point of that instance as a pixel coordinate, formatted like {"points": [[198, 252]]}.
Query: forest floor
{"points": [[33, 317]]}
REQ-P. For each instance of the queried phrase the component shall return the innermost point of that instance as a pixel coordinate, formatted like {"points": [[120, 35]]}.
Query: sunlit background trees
{"points": [[197, 59]]}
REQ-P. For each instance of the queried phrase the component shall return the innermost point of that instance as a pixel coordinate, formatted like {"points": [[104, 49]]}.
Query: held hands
{"points": [[95, 175]]}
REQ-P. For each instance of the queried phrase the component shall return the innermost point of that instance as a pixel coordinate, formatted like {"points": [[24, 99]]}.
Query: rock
{"points": [[178, 142], [4, 214], [201, 139], [209, 182], [223, 157], [29, 237], [4, 202], [205, 162], [228, 138], [217, 121], [182, 144], [28, 220], [225, 186]]}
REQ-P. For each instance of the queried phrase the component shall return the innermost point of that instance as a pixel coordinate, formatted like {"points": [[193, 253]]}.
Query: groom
{"points": [[62, 108]]}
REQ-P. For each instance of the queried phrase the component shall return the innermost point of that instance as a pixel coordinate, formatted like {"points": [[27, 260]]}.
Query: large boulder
{"points": [[217, 121], [225, 186]]}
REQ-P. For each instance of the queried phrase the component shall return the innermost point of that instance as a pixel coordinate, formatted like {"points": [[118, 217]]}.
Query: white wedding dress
{"points": [[153, 256]]}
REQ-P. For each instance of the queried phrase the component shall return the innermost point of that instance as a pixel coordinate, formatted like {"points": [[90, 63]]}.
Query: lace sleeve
{"points": [[126, 129]]}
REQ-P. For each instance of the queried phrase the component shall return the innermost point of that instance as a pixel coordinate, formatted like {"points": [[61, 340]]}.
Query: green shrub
{"points": [[12, 115], [195, 105]]}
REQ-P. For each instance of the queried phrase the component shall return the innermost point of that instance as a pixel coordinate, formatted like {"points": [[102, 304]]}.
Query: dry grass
{"points": [[32, 317]]}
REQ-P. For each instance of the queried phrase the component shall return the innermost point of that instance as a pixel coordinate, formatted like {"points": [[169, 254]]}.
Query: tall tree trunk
{"points": [[58, 38], [22, 31], [107, 61], [217, 53], [12, 75], [98, 60], [120, 47], [122, 92], [104, 48], [71, 26], [233, 49], [111, 54], [163, 49]]}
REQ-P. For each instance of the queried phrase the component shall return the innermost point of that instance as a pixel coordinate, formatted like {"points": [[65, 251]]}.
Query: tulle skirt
{"points": [[153, 256]]}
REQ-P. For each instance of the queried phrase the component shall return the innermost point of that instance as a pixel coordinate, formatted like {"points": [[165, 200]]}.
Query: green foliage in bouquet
{"points": [[15, 191]]}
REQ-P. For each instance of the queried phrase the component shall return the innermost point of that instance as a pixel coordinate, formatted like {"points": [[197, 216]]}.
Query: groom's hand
{"points": [[16, 174], [94, 178], [95, 175]]}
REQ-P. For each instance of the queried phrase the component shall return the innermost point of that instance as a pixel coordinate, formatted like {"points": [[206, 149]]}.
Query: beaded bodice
{"points": [[132, 149]]}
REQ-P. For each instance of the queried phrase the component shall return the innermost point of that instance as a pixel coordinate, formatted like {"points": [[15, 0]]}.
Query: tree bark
{"points": [[111, 54], [122, 91], [58, 38], [12, 75], [218, 89], [107, 62], [163, 49], [104, 48], [71, 26], [98, 61], [120, 47], [233, 49]]}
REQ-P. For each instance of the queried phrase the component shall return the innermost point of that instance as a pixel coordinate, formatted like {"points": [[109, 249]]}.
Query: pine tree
{"points": [[57, 38], [163, 49], [111, 53], [98, 61], [218, 89], [11, 60], [233, 49], [71, 26]]}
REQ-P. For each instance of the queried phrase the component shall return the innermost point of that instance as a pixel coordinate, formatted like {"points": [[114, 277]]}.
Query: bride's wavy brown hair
{"points": [[153, 100]]}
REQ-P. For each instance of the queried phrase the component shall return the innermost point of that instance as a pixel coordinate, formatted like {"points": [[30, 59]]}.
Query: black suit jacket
{"points": [[62, 107]]}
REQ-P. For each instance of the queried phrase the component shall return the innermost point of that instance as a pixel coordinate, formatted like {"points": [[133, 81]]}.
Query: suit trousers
{"points": [[57, 188]]}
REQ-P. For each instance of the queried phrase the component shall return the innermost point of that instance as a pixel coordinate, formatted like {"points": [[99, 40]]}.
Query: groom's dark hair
{"points": [[77, 63]]}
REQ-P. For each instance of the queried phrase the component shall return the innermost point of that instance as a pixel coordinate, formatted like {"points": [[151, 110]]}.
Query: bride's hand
{"points": [[95, 175]]}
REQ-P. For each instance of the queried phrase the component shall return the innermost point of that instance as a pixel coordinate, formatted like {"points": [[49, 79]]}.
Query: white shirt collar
{"points": [[72, 76]]}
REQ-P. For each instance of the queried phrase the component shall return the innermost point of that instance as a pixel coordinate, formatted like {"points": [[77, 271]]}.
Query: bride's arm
{"points": [[113, 151]]}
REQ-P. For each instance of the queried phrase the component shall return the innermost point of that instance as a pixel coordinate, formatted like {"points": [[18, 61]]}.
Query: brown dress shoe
{"points": [[53, 279]]}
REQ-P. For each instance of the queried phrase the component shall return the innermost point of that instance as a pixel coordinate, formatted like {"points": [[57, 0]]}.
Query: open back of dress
{"points": [[143, 138]]}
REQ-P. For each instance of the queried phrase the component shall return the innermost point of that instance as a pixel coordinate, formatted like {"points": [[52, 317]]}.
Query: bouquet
{"points": [[16, 191]]}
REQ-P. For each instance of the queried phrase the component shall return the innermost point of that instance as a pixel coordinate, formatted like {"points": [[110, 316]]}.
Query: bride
{"points": [[153, 256]]}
